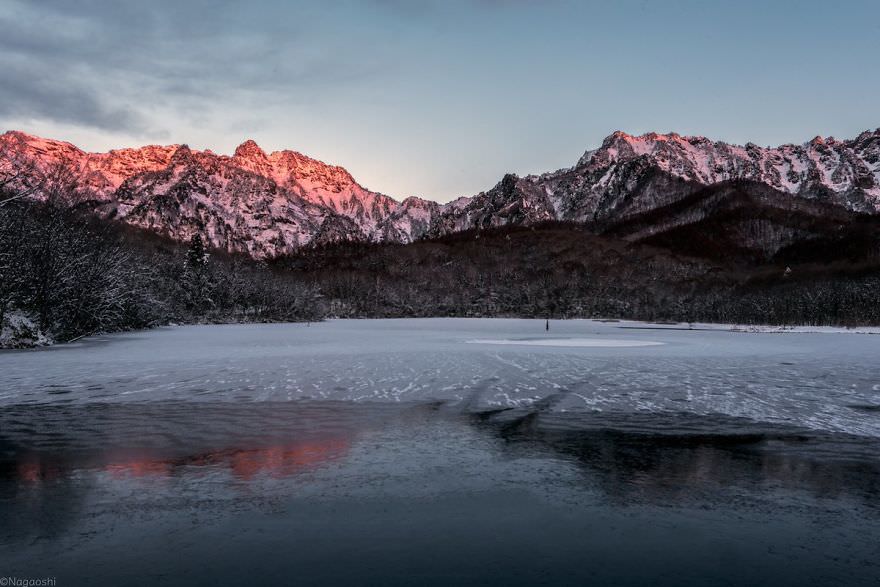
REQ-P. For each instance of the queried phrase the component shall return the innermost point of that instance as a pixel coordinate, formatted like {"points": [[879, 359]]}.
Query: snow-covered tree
{"points": [[196, 256]]}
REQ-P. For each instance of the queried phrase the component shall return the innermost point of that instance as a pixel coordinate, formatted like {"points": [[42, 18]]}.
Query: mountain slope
{"points": [[699, 197], [263, 205], [631, 174], [636, 187]]}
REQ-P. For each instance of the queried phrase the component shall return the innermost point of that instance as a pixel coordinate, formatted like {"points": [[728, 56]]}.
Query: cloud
{"points": [[115, 65], [31, 94]]}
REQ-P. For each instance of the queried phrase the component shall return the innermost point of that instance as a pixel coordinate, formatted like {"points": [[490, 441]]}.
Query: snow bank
{"points": [[19, 331]]}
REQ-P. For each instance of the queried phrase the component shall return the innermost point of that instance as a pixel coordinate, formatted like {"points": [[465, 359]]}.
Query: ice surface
{"points": [[716, 457], [568, 342], [825, 381]]}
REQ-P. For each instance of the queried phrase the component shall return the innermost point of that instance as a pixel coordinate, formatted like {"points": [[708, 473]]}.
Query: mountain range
{"points": [[662, 189]]}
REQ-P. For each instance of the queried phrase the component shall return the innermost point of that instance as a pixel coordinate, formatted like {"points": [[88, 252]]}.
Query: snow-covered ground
{"points": [[822, 381]]}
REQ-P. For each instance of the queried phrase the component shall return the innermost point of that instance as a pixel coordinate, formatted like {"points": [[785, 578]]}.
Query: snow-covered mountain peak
{"points": [[270, 204], [20, 142], [848, 168], [868, 135], [251, 157], [254, 202], [249, 149], [182, 154], [620, 144]]}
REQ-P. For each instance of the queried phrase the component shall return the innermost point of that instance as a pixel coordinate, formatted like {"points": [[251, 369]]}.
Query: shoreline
{"points": [[621, 323]]}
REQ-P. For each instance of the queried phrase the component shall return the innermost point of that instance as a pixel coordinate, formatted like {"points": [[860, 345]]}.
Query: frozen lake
{"points": [[453, 450]]}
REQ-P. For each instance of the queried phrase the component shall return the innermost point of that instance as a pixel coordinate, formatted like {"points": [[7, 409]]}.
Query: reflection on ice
{"points": [[163, 440], [680, 455], [674, 458], [244, 464], [260, 453], [81, 486]]}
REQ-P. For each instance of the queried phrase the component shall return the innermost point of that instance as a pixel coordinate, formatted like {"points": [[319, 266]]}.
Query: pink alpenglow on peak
{"points": [[269, 204], [253, 202]]}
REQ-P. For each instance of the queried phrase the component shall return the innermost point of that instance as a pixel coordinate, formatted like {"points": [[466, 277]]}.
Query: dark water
{"points": [[305, 493]]}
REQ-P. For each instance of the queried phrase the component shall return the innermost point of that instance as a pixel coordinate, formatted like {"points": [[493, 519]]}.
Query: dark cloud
{"points": [[113, 65], [107, 65], [61, 97]]}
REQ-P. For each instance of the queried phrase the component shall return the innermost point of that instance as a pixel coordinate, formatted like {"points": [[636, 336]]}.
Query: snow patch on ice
{"points": [[569, 342]]}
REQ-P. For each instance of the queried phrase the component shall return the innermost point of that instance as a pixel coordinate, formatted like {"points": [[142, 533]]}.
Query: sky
{"points": [[436, 98]]}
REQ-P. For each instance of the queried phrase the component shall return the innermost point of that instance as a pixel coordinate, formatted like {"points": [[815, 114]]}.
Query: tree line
{"points": [[565, 271], [70, 274]]}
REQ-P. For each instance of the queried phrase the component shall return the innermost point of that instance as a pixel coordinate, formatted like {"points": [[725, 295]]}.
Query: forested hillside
{"points": [[564, 271], [65, 274]]}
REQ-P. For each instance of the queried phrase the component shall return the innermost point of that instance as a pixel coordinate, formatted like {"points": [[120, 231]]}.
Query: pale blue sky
{"points": [[437, 98]]}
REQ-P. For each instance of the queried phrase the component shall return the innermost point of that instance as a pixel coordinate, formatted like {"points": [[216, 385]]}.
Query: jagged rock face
{"points": [[271, 204], [233, 208], [263, 205], [632, 175], [512, 201], [841, 172], [621, 177]]}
